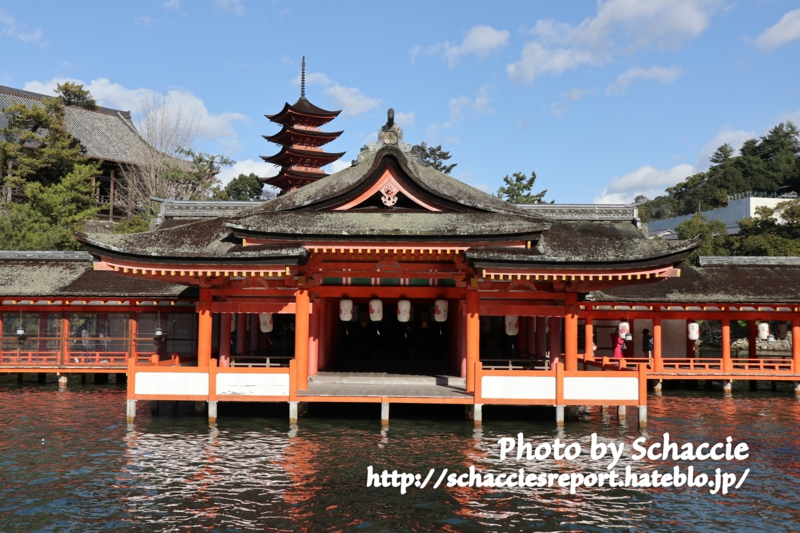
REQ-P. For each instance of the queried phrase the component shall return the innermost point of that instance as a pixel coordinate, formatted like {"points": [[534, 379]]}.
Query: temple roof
{"points": [[70, 274], [311, 158], [303, 108], [288, 178], [343, 207], [290, 135], [105, 133], [719, 280]]}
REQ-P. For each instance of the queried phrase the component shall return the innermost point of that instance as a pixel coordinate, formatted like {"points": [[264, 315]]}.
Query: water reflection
{"points": [[68, 461]]}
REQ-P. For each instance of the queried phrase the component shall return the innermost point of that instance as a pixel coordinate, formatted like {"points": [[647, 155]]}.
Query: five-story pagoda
{"points": [[301, 140]]}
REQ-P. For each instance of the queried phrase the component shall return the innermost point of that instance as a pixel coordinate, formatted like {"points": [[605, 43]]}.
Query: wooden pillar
{"points": [[571, 332], [588, 336], [473, 337], [752, 328], [313, 341], [522, 338], [796, 344], [204, 329], [301, 337], [727, 364], [225, 340], [530, 333], [241, 333], [111, 194], [658, 356], [541, 337], [64, 356], [555, 339], [255, 332]]}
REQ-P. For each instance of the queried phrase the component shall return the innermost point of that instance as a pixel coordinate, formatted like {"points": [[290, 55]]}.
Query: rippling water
{"points": [[69, 462]]}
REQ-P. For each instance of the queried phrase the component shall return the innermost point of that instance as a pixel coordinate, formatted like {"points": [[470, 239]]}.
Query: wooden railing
{"points": [[705, 365]]}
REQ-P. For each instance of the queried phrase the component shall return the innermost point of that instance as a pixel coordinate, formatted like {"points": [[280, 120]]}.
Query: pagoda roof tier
{"points": [[290, 135], [303, 112], [287, 178], [391, 196], [306, 158]]}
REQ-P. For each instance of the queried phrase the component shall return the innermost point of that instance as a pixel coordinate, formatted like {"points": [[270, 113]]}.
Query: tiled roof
{"points": [[105, 133]]}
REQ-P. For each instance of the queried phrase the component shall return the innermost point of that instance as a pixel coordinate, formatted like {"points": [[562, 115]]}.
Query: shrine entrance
{"points": [[421, 346]]}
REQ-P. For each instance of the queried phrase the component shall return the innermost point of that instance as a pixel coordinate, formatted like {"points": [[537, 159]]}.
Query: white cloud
{"points": [[652, 182], [233, 6], [480, 40], [173, 5], [560, 106], [645, 180], [458, 107], [261, 169], [618, 27], [211, 126], [785, 31], [146, 20], [662, 74], [350, 99], [339, 164], [11, 28], [406, 119]]}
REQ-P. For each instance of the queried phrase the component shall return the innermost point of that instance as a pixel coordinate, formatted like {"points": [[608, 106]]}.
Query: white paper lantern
{"points": [[375, 310], [624, 329], [763, 330], [345, 310], [440, 311], [233, 322], [693, 329], [512, 325], [265, 321], [403, 311]]}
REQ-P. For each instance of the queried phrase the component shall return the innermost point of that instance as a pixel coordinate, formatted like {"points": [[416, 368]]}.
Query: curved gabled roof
{"points": [[289, 135], [291, 156]]}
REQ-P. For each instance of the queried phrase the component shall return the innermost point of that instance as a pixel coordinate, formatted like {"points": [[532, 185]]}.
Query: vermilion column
{"points": [[727, 364], [658, 360], [571, 332], [313, 341], [473, 337], [241, 333], [588, 336], [751, 339], [225, 340], [301, 337], [796, 344], [204, 329]]}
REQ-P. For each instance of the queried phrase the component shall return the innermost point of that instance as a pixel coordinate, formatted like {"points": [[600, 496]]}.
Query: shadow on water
{"points": [[69, 462]]}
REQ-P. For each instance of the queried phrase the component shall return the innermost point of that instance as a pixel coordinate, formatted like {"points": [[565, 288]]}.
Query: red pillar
{"points": [[473, 337], [301, 337], [727, 364], [530, 333], [658, 356], [588, 336], [541, 337], [751, 339], [571, 332], [241, 333], [225, 340], [522, 338], [796, 344], [255, 332], [313, 341], [555, 340], [204, 329]]}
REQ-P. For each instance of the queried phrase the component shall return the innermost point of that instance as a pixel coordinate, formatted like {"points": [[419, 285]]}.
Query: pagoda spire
{"points": [[301, 157]]}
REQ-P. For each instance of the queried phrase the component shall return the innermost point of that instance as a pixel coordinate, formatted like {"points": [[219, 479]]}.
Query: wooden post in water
{"points": [[384, 413], [473, 336]]}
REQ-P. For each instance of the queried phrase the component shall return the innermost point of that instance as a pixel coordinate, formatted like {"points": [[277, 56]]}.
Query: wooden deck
{"points": [[383, 387]]}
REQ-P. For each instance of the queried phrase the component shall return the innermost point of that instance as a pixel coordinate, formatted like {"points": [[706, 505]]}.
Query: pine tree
{"points": [[518, 190]]}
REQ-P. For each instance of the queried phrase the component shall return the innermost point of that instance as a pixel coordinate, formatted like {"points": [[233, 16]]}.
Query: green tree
{"points": [[244, 187], [434, 157], [712, 233], [75, 95], [36, 146], [135, 224], [517, 190], [772, 231], [50, 214]]}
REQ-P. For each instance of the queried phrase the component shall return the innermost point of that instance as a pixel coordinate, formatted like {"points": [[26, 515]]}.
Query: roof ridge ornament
{"points": [[390, 134]]}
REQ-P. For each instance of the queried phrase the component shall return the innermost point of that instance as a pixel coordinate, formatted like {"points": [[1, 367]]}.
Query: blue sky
{"points": [[603, 100]]}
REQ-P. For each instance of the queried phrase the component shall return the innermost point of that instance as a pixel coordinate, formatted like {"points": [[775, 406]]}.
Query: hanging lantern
{"points": [[345, 310], [375, 310], [440, 311], [624, 330], [512, 325], [486, 324], [403, 311], [20, 331], [763, 330], [693, 330], [265, 322], [233, 322]]}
